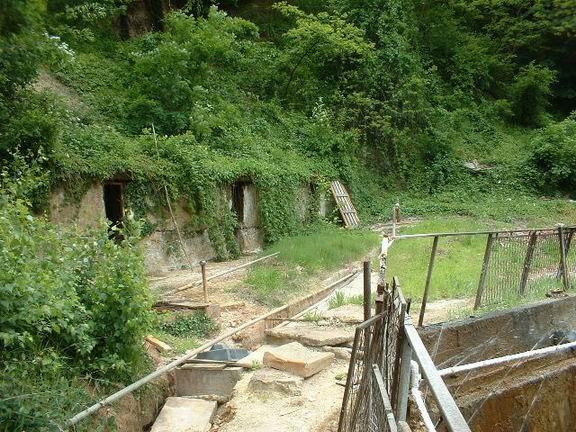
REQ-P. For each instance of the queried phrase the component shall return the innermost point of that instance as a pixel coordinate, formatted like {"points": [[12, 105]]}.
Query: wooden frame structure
{"points": [[344, 203]]}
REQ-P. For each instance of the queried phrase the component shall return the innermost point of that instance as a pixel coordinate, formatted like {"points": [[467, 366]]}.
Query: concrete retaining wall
{"points": [[499, 333]]}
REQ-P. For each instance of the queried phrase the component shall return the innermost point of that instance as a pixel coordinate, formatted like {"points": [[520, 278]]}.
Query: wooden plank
{"points": [[344, 203], [565, 279]]}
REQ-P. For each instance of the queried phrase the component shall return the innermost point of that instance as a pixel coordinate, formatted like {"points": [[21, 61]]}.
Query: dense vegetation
{"points": [[73, 312], [388, 96], [392, 97]]}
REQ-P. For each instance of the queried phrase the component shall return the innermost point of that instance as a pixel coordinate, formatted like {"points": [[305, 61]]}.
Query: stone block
{"points": [[297, 359], [185, 415], [349, 313], [202, 380], [312, 335], [267, 382]]}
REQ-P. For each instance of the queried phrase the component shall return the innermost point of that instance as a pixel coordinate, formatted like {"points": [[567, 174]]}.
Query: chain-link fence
{"points": [[528, 264], [373, 371], [517, 266]]}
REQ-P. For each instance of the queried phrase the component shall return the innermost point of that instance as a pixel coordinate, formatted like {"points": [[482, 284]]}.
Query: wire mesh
{"points": [[376, 343], [527, 265]]}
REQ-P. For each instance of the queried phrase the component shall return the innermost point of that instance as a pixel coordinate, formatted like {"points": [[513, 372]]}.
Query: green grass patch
{"points": [[341, 299], [458, 259], [459, 263], [183, 331], [322, 248]]}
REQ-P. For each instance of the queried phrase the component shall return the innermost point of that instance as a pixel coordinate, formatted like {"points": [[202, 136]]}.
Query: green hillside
{"points": [[451, 108]]}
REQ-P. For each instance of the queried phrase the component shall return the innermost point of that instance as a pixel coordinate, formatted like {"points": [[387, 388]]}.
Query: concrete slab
{"points": [[271, 382], [207, 380], [255, 358], [311, 334], [185, 415], [297, 359], [349, 313], [340, 352]]}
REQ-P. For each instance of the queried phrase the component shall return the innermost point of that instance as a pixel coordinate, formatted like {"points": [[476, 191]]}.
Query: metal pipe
{"points": [[428, 281], [129, 389], [470, 233], [507, 359], [421, 405], [452, 415], [209, 278]]}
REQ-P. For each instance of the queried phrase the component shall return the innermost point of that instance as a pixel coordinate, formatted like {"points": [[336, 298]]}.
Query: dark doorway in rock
{"points": [[238, 200], [114, 203]]}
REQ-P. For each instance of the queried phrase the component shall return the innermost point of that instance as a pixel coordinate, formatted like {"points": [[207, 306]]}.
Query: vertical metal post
{"points": [[565, 279], [204, 282], [403, 379], [528, 262], [428, 281], [367, 290], [484, 274]]}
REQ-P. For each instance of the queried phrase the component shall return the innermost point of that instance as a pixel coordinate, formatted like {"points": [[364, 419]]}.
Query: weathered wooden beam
{"points": [[367, 289], [565, 279]]}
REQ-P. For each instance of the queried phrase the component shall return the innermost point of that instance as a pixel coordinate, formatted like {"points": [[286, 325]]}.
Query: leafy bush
{"points": [[79, 296], [530, 94], [197, 324], [552, 163]]}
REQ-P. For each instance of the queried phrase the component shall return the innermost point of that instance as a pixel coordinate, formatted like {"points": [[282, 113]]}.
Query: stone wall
{"points": [[87, 213]]}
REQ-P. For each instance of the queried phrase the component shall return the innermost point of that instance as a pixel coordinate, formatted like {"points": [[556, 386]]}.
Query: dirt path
{"points": [[314, 410]]}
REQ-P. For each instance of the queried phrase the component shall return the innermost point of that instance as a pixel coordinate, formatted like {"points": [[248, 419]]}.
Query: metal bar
{"points": [[452, 415], [209, 278], [565, 279], [528, 262], [351, 365], [484, 273], [385, 399], [404, 380], [367, 289], [428, 280], [508, 359], [471, 233], [204, 282]]}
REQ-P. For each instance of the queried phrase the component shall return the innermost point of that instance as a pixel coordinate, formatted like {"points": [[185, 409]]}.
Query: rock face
{"points": [[297, 359], [185, 415], [312, 335], [268, 382]]}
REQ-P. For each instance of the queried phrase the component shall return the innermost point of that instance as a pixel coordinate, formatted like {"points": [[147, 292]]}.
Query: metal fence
{"points": [[516, 264], [378, 381], [373, 371]]}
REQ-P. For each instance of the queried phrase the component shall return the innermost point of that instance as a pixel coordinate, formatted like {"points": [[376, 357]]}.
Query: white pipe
{"points": [[174, 364], [507, 359], [225, 272], [426, 419]]}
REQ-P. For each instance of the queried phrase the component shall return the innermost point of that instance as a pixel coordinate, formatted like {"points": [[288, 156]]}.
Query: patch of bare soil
{"points": [[443, 310]]}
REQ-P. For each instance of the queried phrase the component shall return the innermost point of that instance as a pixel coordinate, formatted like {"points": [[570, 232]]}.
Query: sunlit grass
{"points": [[324, 248]]}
